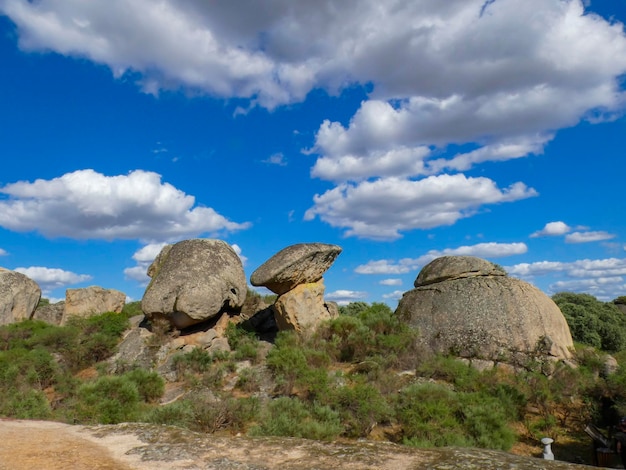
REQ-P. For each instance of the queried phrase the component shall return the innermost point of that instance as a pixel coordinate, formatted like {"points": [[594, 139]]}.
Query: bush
{"points": [[291, 417], [243, 343], [108, 400], [360, 408], [150, 385], [592, 322]]}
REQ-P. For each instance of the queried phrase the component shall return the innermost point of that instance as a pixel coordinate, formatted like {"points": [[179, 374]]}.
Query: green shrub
{"points": [[107, 400], [150, 385], [132, 309], [291, 417], [244, 344], [592, 322], [197, 360], [360, 408], [434, 415]]}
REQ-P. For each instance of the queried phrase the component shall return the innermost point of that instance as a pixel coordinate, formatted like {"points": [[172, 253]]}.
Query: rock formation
{"points": [[295, 274], [51, 313], [19, 296], [194, 281], [470, 308], [297, 264], [92, 300]]}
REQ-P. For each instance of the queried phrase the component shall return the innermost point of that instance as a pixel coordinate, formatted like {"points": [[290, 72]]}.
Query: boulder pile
{"points": [[19, 296]]}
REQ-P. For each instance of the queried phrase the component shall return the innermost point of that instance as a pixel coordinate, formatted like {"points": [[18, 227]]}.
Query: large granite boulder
{"points": [[303, 308], [50, 313], [297, 264], [93, 300], [194, 281], [467, 307], [19, 296]]}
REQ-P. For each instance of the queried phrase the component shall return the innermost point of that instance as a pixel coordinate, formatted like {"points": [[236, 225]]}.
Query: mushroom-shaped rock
{"points": [[297, 264], [456, 267], [489, 316], [19, 296], [194, 281]]}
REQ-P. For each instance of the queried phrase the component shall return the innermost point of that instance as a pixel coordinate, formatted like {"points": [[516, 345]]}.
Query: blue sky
{"points": [[399, 130]]}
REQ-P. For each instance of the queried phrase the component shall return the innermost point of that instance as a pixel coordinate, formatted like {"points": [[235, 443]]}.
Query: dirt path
{"points": [[27, 445]]}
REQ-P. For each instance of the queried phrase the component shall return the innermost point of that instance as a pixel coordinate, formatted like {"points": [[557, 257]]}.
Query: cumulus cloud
{"points": [[344, 297], [586, 237], [501, 77], [88, 205], [381, 209], [237, 249], [405, 265], [395, 295], [144, 258], [551, 229], [3, 252], [391, 282], [52, 278], [602, 277]]}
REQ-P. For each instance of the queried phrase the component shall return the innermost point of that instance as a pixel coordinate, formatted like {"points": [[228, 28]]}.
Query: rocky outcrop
{"points": [[19, 296], [51, 313], [297, 264], [194, 281], [295, 274], [465, 307], [92, 300], [302, 308]]}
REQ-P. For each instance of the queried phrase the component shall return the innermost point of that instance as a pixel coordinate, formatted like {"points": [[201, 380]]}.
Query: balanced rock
{"points": [[464, 307], [19, 296], [92, 300], [303, 308], [297, 264], [194, 281]]}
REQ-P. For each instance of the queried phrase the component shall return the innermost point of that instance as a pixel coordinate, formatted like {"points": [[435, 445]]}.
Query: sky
{"points": [[401, 130]]}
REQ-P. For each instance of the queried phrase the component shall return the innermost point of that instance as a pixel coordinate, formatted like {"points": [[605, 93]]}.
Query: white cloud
{"points": [[486, 73], [391, 282], [276, 159], [52, 278], [86, 204], [551, 229], [586, 237], [3, 252], [381, 209], [237, 249], [484, 250], [344, 297], [602, 277], [395, 295], [144, 258]]}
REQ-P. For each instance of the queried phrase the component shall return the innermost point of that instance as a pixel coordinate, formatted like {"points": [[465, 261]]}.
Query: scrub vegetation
{"points": [[359, 375]]}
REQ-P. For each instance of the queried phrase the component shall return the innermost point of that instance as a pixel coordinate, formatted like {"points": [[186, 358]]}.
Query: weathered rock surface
{"points": [[19, 296], [483, 314], [302, 308], [297, 264], [456, 267], [146, 447], [194, 281], [92, 300], [51, 313]]}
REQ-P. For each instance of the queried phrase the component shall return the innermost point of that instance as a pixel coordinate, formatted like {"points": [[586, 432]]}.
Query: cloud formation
{"points": [[88, 205], [383, 208], [552, 229], [3, 252], [52, 278], [437, 73], [344, 297], [586, 237], [603, 278], [406, 265]]}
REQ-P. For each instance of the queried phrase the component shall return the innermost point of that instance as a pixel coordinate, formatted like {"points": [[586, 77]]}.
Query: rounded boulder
{"points": [[194, 281]]}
